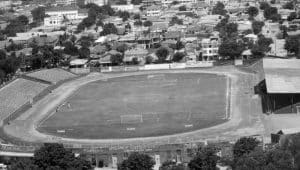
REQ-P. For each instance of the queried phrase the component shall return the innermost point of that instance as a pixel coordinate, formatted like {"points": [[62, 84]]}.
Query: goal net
{"points": [[131, 118]]}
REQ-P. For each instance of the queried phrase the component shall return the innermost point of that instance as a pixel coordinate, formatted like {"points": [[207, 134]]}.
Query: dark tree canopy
{"points": [[289, 5], [205, 159], [257, 26], [109, 28], [178, 57], [176, 20], [243, 146], [292, 16], [182, 8], [55, 156], [170, 165], [137, 161], [136, 2], [252, 11], [292, 45], [264, 5], [231, 48], [271, 13], [162, 54], [262, 46], [38, 14], [219, 9], [147, 23], [116, 59], [275, 159]]}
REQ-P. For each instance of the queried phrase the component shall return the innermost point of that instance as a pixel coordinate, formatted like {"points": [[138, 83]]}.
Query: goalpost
{"points": [[131, 118]]}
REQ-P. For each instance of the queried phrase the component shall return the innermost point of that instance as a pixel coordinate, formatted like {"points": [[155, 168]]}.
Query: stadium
{"points": [[153, 110], [115, 108]]}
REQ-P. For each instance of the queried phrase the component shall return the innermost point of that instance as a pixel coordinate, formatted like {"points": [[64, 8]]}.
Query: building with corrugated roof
{"points": [[280, 90]]}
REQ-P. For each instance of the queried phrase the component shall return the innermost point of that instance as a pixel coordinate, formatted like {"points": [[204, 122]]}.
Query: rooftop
{"points": [[282, 75]]}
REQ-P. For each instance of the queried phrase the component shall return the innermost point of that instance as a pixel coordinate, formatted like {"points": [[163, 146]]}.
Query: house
{"points": [[65, 2], [97, 2], [138, 53], [60, 14], [153, 11], [97, 50], [172, 35], [210, 48], [271, 29], [280, 90], [278, 49]]}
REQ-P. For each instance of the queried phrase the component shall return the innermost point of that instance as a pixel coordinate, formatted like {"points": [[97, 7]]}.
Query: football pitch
{"points": [[141, 106]]}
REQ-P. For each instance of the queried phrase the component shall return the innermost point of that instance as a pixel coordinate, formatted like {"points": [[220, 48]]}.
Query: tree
{"points": [[292, 16], [23, 19], [84, 52], [136, 2], [109, 28], [178, 57], [2, 54], [292, 45], [262, 46], [138, 23], [182, 8], [23, 164], [231, 48], [257, 26], [162, 54], [244, 146], [122, 48], [231, 28], [219, 9], [137, 16], [255, 160], [137, 161], [148, 23], [280, 159], [270, 13], [70, 48], [149, 60], [252, 11], [176, 20], [170, 165], [55, 156], [116, 59], [38, 14], [264, 5], [205, 159], [289, 5]]}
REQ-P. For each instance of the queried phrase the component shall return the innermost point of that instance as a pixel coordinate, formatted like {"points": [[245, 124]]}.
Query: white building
{"points": [[153, 11], [183, 2], [213, 2], [210, 48], [65, 2], [97, 2], [6, 4], [57, 15]]}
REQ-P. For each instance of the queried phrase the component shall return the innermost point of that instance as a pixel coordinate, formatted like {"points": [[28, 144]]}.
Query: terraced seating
{"points": [[18, 93], [52, 75]]}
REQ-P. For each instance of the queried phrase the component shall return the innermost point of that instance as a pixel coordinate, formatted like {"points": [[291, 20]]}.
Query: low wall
{"points": [[200, 64], [157, 67]]}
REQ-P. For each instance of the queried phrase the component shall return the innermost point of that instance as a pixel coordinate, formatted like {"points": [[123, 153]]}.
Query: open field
{"points": [[141, 106]]}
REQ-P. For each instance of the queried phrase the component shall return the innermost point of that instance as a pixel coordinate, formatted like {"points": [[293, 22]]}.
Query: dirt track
{"points": [[245, 113]]}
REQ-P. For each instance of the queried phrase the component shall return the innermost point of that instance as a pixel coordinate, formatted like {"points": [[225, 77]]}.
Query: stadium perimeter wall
{"points": [[171, 66]]}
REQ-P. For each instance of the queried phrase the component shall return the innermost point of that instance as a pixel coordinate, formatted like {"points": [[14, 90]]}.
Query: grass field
{"points": [[141, 106]]}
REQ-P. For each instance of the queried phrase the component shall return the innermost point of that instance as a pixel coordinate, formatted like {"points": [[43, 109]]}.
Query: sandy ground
{"points": [[245, 113]]}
